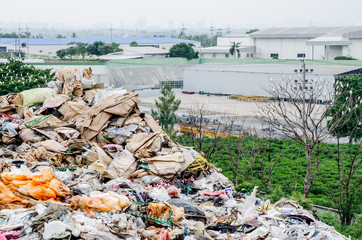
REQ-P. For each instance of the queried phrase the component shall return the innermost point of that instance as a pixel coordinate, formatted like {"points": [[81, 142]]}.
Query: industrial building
{"points": [[256, 79], [49, 46], [315, 43]]}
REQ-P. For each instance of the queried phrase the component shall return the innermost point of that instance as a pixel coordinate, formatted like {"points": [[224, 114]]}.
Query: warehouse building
{"points": [[320, 43], [49, 47], [256, 79], [315, 43]]}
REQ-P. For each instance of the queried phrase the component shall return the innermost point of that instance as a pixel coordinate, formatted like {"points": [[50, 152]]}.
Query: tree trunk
{"points": [[307, 187]]}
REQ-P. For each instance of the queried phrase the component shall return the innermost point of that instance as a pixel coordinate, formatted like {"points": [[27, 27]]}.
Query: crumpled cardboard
{"points": [[72, 81], [123, 165], [54, 100]]}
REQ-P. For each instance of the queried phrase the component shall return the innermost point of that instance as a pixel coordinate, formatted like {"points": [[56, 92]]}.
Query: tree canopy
{"points": [[17, 76], [97, 48], [166, 107], [183, 50], [347, 88]]}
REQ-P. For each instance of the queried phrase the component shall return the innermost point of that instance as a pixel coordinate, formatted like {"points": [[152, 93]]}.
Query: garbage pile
{"points": [[81, 162]]}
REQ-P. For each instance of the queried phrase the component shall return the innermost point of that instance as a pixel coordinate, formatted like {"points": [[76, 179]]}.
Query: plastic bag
{"points": [[100, 202], [55, 229], [160, 194], [36, 95]]}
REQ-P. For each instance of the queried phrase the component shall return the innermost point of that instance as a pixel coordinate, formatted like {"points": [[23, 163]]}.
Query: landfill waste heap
{"points": [[78, 161]]}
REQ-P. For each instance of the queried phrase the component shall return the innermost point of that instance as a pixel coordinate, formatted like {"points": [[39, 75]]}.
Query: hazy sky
{"points": [[190, 13]]}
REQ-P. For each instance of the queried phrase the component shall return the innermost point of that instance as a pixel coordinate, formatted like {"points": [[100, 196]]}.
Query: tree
{"points": [[60, 36], [93, 49], [183, 50], [252, 31], [71, 51], [344, 120], [17, 76], [166, 107], [61, 53], [295, 113], [234, 48], [349, 87], [133, 44], [81, 49]]}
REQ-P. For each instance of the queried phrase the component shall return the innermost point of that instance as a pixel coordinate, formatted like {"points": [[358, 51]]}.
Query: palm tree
{"points": [[234, 48]]}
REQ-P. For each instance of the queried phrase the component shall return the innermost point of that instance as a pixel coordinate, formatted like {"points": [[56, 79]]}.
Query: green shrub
{"points": [[304, 202], [16, 76], [344, 58], [276, 194]]}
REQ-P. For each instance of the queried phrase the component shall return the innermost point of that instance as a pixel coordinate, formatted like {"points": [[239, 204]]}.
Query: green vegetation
{"points": [[354, 230], [347, 89], [133, 44], [16, 76], [252, 31], [97, 48], [166, 106], [183, 50], [344, 58], [234, 49], [283, 173], [204, 39]]}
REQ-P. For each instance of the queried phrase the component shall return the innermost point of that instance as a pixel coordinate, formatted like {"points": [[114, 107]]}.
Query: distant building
{"points": [[254, 79], [315, 43], [136, 53], [49, 46]]}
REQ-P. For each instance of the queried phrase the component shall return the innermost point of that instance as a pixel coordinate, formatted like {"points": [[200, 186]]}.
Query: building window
{"points": [[311, 88], [295, 80], [306, 80], [301, 55], [214, 55], [247, 55], [239, 55], [3, 49], [251, 55], [274, 55], [226, 55]]}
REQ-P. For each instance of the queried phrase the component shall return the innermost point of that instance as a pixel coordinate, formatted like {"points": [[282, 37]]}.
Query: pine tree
{"points": [[166, 106]]}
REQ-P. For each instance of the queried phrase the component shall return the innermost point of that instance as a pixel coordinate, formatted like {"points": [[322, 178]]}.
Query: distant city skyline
{"points": [[163, 14]]}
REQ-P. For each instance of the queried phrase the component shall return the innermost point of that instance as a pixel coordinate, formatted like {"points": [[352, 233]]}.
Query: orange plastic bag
{"points": [[100, 202], [17, 187]]}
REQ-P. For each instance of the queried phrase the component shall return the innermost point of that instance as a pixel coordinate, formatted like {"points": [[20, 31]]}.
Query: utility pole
{"points": [[111, 29], [228, 30], [212, 29], [219, 32], [303, 88], [19, 43], [183, 31], [27, 40]]}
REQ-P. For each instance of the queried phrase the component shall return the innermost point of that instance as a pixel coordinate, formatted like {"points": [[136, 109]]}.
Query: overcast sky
{"points": [[174, 14]]}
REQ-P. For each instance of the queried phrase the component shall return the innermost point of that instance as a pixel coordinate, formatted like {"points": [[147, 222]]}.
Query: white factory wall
{"points": [[356, 48], [244, 83], [228, 41], [287, 48]]}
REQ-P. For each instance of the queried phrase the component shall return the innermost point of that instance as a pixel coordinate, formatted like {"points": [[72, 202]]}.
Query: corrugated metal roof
{"points": [[303, 32], [331, 41], [66, 41], [270, 68]]}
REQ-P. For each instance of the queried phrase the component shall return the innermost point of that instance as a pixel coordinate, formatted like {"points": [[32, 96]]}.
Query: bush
{"points": [[354, 230], [276, 194], [344, 58], [304, 202], [16, 76]]}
